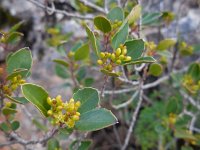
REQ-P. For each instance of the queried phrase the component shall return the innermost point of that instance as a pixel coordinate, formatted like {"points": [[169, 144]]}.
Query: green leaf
{"points": [[113, 74], [151, 18], [186, 148], [81, 73], [76, 46], [155, 69], [88, 97], [84, 145], [92, 39], [21, 59], [173, 106], [102, 24], [61, 62], [194, 71], [134, 14], [95, 119], [61, 71], [37, 96], [140, 60], [165, 44], [15, 125], [120, 37], [20, 100], [116, 14], [16, 27], [53, 144], [13, 37], [135, 48], [8, 111], [82, 53], [184, 134], [22, 72], [88, 82], [4, 127]]}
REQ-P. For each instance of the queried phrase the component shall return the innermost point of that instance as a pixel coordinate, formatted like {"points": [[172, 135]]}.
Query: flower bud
{"points": [[121, 57], [75, 118], [100, 62], [49, 101], [128, 58], [109, 67], [8, 104], [118, 51], [113, 57], [78, 114], [118, 62], [78, 104], [124, 51], [49, 112], [70, 54], [14, 87], [102, 54]]}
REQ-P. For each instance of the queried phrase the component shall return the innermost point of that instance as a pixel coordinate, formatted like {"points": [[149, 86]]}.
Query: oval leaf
{"points": [[140, 60], [102, 24], [120, 37], [116, 14], [155, 69], [37, 96], [135, 48], [166, 44], [92, 39], [95, 119], [21, 59], [88, 97], [82, 52]]}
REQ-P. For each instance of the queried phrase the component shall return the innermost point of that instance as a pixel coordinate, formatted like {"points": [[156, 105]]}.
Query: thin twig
{"points": [[135, 114], [92, 5], [74, 15], [127, 102]]}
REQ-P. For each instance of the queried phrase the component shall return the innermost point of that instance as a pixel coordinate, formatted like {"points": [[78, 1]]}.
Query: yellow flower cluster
{"points": [[15, 82], [63, 113], [109, 61], [190, 84]]}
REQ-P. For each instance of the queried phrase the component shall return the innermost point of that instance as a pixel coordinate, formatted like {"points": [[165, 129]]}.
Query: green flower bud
{"points": [[113, 57], [128, 58], [102, 54], [70, 54], [124, 51], [8, 104], [118, 62], [121, 57], [118, 51], [49, 112], [100, 62]]}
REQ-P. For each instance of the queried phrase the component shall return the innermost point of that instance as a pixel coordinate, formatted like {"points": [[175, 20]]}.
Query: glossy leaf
{"points": [[165, 44], [61, 71], [37, 96], [140, 60], [16, 27], [82, 53], [155, 69], [22, 72], [151, 18], [173, 106], [135, 48], [95, 119], [4, 127], [116, 14], [92, 39], [15, 125], [20, 100], [8, 111], [21, 59], [134, 14], [61, 62], [88, 97], [120, 37], [184, 134], [103, 24]]}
